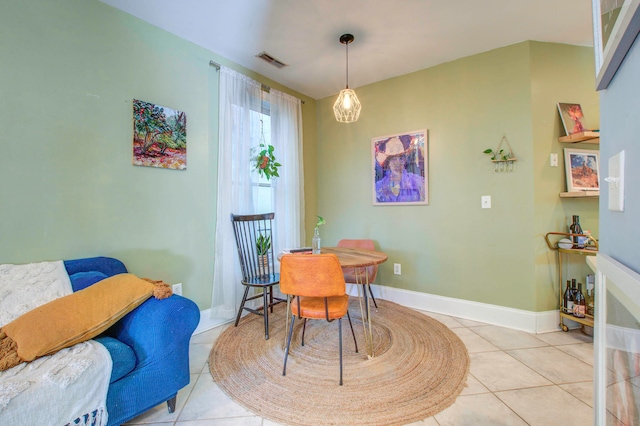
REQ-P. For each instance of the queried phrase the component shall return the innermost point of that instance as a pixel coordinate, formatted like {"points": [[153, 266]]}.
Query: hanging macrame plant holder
{"points": [[265, 161], [503, 162]]}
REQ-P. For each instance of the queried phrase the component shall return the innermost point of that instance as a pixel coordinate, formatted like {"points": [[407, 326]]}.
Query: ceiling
{"points": [[392, 37]]}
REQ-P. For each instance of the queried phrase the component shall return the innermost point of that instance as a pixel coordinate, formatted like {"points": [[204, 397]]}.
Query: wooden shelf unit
{"points": [[582, 137], [580, 194]]}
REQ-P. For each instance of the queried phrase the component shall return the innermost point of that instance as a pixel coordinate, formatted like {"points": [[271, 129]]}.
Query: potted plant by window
{"points": [[263, 244], [265, 162]]}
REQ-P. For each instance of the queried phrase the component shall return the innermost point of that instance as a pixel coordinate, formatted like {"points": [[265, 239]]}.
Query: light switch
{"points": [[616, 182], [553, 159], [486, 201]]}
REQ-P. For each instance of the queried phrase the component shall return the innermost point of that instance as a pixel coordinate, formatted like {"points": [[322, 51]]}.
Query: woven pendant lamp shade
{"points": [[347, 106]]}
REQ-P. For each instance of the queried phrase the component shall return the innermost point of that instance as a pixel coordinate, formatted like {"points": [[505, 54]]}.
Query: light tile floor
{"points": [[515, 378]]}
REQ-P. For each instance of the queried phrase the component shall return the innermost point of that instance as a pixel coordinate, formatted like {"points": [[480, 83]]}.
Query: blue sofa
{"points": [[149, 346]]}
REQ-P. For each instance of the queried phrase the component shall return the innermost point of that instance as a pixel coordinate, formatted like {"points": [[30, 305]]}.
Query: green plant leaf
{"points": [[265, 162], [263, 244]]}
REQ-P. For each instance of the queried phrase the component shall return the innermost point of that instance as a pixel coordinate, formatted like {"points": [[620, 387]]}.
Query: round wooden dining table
{"points": [[356, 257], [359, 259]]}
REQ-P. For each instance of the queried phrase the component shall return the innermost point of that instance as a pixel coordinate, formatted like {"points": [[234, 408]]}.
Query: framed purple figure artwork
{"points": [[400, 168]]}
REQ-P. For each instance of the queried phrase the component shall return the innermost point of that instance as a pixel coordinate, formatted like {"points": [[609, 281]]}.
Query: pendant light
{"points": [[347, 106]]}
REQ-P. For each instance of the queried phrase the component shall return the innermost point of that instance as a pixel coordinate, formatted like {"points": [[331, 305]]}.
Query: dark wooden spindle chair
{"points": [[254, 240]]}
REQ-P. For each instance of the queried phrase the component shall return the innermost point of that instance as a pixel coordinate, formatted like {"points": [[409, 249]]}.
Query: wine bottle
{"points": [[575, 228], [572, 297], [566, 299], [580, 304], [591, 295]]}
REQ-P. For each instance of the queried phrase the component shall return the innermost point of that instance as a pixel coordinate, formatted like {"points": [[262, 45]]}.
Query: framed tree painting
{"points": [[582, 167], [400, 168], [159, 136]]}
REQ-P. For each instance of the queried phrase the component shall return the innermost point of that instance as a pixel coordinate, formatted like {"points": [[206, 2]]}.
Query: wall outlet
{"points": [[485, 201], [177, 289], [397, 269], [553, 159]]}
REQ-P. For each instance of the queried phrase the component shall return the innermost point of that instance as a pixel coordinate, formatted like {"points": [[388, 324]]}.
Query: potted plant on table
{"points": [[315, 241]]}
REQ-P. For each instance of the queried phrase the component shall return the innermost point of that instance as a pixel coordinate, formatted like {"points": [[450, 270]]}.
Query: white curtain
{"points": [[286, 138], [239, 96]]}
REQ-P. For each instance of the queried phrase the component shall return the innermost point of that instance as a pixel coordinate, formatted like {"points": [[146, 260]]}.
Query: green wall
{"points": [[71, 68], [560, 73], [452, 247], [69, 72]]}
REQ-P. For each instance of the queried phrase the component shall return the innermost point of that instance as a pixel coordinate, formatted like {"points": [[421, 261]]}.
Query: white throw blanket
{"points": [[68, 387]]}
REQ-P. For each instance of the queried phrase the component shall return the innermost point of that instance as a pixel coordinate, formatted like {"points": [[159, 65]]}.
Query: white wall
{"points": [[620, 130]]}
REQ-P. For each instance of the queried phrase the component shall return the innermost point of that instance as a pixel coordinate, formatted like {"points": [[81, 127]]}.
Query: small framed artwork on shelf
{"points": [[572, 118], [582, 167]]}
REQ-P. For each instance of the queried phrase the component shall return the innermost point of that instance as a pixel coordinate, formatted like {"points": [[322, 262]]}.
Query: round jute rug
{"points": [[419, 368]]}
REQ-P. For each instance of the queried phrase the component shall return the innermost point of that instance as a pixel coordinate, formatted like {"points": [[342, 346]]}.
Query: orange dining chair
{"points": [[371, 271], [317, 290], [254, 239]]}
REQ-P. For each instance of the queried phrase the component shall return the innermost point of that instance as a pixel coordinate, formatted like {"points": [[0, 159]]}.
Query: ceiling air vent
{"points": [[273, 61]]}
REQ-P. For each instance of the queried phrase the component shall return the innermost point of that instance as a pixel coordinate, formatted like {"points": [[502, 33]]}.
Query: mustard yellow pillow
{"points": [[75, 318]]}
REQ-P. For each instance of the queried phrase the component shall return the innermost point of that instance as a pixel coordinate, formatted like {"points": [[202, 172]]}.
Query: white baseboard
{"points": [[518, 319], [207, 323], [531, 322]]}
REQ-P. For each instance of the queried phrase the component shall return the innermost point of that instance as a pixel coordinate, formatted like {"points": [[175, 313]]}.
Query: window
{"points": [[263, 194], [246, 113]]}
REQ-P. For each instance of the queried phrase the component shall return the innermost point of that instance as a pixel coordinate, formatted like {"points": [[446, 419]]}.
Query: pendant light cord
{"points": [[347, 46]]}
